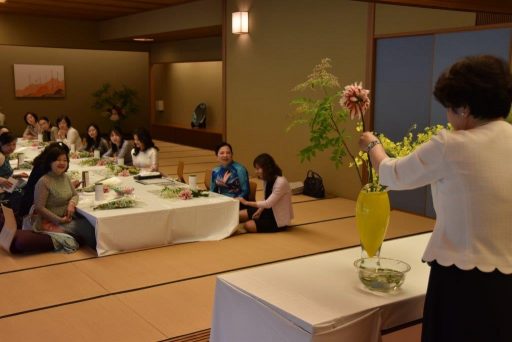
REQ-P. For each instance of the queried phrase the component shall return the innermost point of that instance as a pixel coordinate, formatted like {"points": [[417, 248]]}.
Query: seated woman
{"points": [[68, 134], [32, 129], [28, 241], [55, 199], [48, 131], [144, 152], [7, 147], [119, 147], [229, 178], [275, 212], [94, 141]]}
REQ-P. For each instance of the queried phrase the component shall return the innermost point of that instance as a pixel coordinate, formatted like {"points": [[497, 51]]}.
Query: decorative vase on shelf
{"points": [[372, 219]]}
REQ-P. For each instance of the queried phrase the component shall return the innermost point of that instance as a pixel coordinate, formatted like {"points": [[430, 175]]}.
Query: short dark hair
{"points": [[45, 118], [65, 118], [221, 145], [34, 115], [52, 155], [483, 83], [270, 169]]}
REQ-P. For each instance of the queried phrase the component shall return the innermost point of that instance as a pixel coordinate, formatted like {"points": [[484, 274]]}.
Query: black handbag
{"points": [[313, 185]]}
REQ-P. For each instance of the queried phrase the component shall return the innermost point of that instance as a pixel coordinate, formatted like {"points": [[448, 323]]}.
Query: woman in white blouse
{"points": [[67, 134], [144, 153], [469, 293], [275, 212]]}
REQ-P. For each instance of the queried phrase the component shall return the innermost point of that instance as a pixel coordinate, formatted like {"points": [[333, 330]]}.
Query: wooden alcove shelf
{"points": [[197, 137]]}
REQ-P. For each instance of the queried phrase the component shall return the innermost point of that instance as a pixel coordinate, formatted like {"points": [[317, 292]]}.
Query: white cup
{"points": [[98, 192], [21, 158], [40, 137], [72, 148], [120, 161], [97, 154], [192, 182]]}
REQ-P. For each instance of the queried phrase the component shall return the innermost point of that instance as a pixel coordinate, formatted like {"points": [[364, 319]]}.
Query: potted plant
{"points": [[115, 104]]}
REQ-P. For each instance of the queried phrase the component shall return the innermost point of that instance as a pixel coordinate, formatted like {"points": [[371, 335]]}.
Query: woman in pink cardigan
{"points": [[275, 212]]}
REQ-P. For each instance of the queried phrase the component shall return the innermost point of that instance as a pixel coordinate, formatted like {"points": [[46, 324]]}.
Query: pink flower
{"points": [[355, 99], [185, 194]]}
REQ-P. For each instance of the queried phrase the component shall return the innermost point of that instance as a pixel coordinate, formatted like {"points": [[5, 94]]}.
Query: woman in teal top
{"points": [[229, 178]]}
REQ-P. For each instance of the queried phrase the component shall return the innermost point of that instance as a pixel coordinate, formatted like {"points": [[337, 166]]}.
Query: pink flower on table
{"points": [[185, 194], [355, 99]]}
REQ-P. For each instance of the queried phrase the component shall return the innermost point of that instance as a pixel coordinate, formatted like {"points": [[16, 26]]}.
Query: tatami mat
{"points": [[104, 319], [138, 270], [305, 213]]}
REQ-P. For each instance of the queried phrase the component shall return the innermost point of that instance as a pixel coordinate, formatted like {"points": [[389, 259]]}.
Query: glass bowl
{"points": [[381, 274]]}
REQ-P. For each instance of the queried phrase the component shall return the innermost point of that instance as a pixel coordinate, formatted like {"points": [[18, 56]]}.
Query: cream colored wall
{"points": [[85, 71], [53, 32], [182, 86], [201, 49], [287, 38], [392, 19], [196, 14]]}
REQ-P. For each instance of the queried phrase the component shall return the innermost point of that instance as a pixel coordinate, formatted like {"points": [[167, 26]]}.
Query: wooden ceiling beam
{"points": [[489, 6], [50, 5]]}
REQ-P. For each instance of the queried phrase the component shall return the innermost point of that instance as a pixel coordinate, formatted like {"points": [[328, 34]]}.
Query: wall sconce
{"points": [[240, 22], [159, 105]]}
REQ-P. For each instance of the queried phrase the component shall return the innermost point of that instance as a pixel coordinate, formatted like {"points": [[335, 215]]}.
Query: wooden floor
{"points": [[165, 293]]}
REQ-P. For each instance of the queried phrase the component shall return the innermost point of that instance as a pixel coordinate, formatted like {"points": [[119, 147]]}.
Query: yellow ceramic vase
{"points": [[372, 219]]}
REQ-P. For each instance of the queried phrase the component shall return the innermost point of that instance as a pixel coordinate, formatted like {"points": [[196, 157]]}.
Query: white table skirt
{"points": [[317, 298], [156, 221]]}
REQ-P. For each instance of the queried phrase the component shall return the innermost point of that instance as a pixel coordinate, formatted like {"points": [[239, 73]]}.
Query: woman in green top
{"points": [[55, 200]]}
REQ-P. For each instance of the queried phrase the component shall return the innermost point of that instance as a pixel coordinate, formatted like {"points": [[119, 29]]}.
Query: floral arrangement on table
{"points": [[80, 155], [182, 193], [117, 203], [26, 165], [122, 170], [124, 199], [326, 114], [90, 162]]}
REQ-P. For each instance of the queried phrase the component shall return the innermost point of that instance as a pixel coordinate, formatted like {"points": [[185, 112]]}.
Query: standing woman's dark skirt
{"points": [[467, 306]]}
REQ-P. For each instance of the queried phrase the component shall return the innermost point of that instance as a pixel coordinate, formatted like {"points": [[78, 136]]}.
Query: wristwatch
{"points": [[371, 145]]}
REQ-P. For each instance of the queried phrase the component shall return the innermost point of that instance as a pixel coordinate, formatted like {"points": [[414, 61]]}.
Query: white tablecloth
{"points": [[156, 221], [317, 298]]}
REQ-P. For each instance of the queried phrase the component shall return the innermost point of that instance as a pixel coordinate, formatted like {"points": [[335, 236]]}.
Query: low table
{"points": [[318, 298]]}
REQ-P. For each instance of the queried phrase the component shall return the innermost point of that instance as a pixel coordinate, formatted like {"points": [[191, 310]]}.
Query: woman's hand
{"points": [[70, 210], [61, 134], [21, 175], [65, 219], [5, 183], [365, 139], [243, 200], [257, 214]]}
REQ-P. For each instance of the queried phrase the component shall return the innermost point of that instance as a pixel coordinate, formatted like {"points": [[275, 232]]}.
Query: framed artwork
{"points": [[39, 80]]}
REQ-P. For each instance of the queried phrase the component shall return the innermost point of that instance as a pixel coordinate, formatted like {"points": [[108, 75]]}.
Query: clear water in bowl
{"points": [[381, 274]]}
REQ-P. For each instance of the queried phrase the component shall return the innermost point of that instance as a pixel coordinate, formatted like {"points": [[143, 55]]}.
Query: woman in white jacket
{"points": [[275, 212]]}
